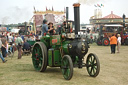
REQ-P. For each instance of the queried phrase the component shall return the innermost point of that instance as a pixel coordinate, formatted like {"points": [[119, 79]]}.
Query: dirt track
{"points": [[114, 71]]}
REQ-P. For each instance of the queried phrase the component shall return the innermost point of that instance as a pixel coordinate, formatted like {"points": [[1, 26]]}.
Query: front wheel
{"points": [[67, 67], [93, 65]]}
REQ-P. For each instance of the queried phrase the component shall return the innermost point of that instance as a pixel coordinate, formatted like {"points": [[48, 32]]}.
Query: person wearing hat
{"points": [[45, 27], [51, 29]]}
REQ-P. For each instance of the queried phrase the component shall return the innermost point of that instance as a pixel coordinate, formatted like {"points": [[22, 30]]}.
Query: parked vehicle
{"points": [[107, 31]]}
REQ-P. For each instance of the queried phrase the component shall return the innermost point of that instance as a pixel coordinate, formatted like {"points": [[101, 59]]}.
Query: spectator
{"points": [[26, 46], [3, 48], [51, 28], [1, 56], [113, 43], [19, 43], [118, 43], [29, 38], [44, 27], [10, 39], [22, 36], [33, 38]]}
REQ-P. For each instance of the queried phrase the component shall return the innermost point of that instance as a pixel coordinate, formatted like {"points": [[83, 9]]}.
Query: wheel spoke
{"points": [[89, 61], [91, 70], [95, 64], [67, 72], [41, 58], [93, 60]]}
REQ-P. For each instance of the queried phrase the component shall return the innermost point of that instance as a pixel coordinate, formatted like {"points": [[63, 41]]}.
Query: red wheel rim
{"points": [[106, 42]]}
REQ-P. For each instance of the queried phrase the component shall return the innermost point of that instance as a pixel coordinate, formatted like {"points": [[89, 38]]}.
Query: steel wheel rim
{"points": [[92, 65], [99, 42], [66, 70], [106, 42], [37, 57]]}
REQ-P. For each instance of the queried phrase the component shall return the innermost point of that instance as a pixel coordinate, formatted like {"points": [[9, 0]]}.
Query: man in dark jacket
{"points": [[26, 46]]}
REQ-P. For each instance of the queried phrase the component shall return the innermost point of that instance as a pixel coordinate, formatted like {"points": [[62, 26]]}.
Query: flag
{"points": [[46, 9], [98, 5], [52, 8], [95, 5], [34, 8], [102, 5]]}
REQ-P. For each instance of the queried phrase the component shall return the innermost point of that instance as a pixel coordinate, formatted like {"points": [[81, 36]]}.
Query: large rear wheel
{"points": [[93, 65], [39, 56], [105, 41], [67, 67]]}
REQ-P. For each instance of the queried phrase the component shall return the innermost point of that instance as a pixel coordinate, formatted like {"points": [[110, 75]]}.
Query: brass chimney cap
{"points": [[76, 4]]}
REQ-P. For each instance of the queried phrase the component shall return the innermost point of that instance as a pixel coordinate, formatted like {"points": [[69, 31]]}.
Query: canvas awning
{"points": [[113, 25]]}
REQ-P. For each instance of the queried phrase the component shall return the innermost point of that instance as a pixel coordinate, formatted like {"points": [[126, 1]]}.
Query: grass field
{"points": [[114, 70]]}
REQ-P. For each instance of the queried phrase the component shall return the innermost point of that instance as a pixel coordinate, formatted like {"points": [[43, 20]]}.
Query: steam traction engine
{"points": [[66, 51]]}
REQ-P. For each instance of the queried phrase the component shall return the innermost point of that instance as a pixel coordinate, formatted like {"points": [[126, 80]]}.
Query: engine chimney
{"points": [[66, 13], [77, 17]]}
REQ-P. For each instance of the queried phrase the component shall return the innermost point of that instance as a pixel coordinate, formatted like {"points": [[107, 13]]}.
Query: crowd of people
{"points": [[19, 43]]}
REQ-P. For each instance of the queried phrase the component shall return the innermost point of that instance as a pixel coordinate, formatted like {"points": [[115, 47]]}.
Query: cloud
{"points": [[90, 2], [16, 14]]}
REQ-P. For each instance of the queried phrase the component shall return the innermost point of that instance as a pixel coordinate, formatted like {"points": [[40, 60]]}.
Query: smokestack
{"points": [[66, 13], [77, 17]]}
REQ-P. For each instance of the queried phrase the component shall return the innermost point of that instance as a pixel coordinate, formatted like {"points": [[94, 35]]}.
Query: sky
{"points": [[18, 11]]}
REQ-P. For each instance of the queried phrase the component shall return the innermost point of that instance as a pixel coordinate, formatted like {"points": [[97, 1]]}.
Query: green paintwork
{"points": [[67, 67], [55, 37], [54, 57], [31, 42], [66, 71], [65, 47], [37, 57], [46, 40]]}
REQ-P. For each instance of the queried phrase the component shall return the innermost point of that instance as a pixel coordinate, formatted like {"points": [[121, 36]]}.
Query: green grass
{"points": [[114, 69]]}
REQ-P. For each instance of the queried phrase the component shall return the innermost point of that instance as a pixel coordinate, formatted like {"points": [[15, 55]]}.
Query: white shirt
{"points": [[119, 40], [10, 38]]}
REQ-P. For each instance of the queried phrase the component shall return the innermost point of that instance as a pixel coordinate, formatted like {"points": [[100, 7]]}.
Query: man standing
{"points": [[10, 39], [19, 43], [44, 27], [1, 56], [113, 43], [4, 46]]}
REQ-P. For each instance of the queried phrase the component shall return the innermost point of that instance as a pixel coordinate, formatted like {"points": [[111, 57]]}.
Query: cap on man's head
{"points": [[44, 21]]}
